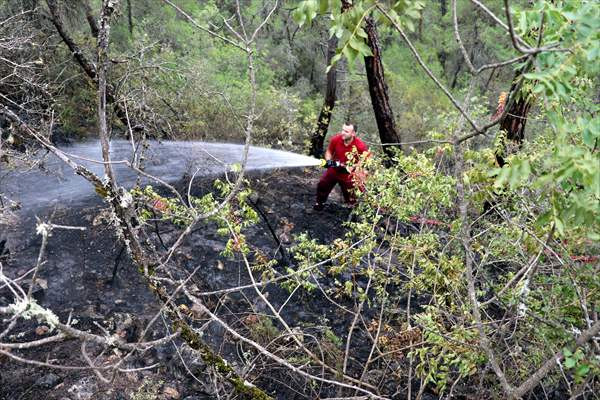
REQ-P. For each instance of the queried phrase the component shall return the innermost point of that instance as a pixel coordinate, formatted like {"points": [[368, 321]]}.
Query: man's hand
{"points": [[332, 163]]}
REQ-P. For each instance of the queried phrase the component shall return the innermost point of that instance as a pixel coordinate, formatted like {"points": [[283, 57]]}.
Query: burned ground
{"points": [[76, 283]]}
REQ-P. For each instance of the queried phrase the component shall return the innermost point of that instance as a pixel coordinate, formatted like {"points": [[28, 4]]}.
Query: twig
{"points": [[454, 102], [551, 363], [497, 20], [202, 28], [459, 41], [272, 356]]}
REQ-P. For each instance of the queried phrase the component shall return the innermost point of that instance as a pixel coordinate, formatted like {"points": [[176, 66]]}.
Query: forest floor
{"points": [[75, 281]]}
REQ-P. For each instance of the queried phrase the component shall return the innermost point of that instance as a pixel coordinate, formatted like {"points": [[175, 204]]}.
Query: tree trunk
{"points": [[443, 7], [129, 17], [513, 123], [379, 91], [318, 137], [442, 54], [459, 64], [91, 19]]}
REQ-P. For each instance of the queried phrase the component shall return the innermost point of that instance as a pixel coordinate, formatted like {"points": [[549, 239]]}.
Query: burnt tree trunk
{"points": [[56, 19], [129, 17], [442, 54], [318, 137], [459, 65], [512, 126], [378, 90], [91, 19], [443, 7]]}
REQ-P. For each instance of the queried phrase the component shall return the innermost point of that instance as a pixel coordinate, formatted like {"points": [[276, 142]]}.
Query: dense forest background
{"points": [[178, 73], [469, 268]]}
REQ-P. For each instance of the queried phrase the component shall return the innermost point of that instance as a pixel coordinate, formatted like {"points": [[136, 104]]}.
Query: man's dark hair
{"points": [[354, 126]]}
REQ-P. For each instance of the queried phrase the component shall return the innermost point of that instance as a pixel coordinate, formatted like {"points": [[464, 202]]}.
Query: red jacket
{"points": [[340, 152]]}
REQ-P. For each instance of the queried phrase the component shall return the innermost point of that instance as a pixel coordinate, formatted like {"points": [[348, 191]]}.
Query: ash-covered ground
{"points": [[75, 282]]}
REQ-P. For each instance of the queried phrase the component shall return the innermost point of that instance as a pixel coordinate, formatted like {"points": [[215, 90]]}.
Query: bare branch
{"points": [[497, 20], [454, 102], [459, 41], [259, 27], [202, 28], [552, 362], [272, 356]]}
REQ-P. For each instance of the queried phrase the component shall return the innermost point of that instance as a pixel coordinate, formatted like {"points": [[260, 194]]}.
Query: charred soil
{"points": [[75, 281]]}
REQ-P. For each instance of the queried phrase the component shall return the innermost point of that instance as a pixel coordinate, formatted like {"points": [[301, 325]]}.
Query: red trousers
{"points": [[330, 178]]}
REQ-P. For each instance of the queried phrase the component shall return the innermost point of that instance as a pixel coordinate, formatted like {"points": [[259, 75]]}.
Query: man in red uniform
{"points": [[338, 154]]}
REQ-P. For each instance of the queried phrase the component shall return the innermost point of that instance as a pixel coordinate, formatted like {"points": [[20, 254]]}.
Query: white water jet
{"points": [[167, 160]]}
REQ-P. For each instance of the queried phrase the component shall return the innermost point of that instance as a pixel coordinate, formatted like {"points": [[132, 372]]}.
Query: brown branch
{"points": [[497, 20], [88, 67], [459, 41], [34, 343], [552, 362], [270, 355], [511, 30], [420, 61]]}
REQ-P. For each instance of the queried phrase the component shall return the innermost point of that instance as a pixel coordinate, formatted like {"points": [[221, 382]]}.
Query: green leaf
{"points": [[570, 362], [299, 16], [502, 177], [560, 88], [582, 370], [361, 33], [522, 23], [525, 169], [323, 6], [350, 54], [413, 13], [334, 61], [360, 46], [560, 226], [593, 53], [594, 236], [544, 219], [588, 138], [311, 10]]}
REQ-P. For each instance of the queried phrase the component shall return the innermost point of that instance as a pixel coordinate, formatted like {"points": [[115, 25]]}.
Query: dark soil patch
{"points": [[79, 265]]}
